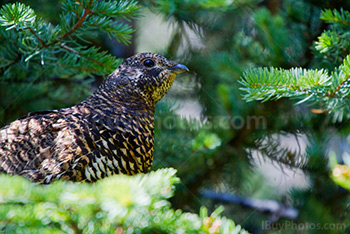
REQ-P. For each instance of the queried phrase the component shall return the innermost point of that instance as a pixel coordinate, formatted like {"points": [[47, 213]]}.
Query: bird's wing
{"points": [[40, 146]]}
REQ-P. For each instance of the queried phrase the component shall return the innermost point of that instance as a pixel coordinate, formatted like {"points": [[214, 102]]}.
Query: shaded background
{"points": [[218, 142]]}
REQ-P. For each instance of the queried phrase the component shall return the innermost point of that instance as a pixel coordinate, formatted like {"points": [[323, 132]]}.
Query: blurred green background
{"points": [[275, 153]]}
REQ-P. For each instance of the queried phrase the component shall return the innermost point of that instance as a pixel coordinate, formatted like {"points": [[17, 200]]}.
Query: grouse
{"points": [[110, 132]]}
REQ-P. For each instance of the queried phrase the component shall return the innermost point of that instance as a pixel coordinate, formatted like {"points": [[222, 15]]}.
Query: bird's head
{"points": [[145, 75]]}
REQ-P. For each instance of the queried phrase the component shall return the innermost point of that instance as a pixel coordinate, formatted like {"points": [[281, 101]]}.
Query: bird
{"points": [[110, 132]]}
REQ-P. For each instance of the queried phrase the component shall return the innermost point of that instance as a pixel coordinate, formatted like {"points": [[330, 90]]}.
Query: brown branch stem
{"points": [[86, 13], [69, 49], [3, 69], [80, 22], [338, 87], [36, 36]]}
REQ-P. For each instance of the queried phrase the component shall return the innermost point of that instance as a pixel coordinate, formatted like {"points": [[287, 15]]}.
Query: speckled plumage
{"points": [[110, 132]]}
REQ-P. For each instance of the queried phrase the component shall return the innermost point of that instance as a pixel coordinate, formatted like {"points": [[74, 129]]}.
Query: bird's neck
{"points": [[119, 102]]}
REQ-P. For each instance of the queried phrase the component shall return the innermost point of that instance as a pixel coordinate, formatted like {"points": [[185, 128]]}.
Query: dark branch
{"points": [[36, 36], [275, 208]]}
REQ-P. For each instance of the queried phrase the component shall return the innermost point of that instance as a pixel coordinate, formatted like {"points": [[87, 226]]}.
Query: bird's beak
{"points": [[178, 68]]}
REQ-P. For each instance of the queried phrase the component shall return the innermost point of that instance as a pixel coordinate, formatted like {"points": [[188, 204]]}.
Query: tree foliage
{"points": [[41, 59], [55, 50], [120, 204], [327, 87], [238, 40]]}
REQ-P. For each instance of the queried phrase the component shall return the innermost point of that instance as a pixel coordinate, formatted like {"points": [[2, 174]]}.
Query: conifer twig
{"points": [[86, 13], [36, 36], [328, 94]]}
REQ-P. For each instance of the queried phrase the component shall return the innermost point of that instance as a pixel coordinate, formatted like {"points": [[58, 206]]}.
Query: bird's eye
{"points": [[148, 63]]}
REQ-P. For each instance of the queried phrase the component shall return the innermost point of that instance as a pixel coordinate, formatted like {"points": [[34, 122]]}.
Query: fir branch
{"points": [[332, 94], [16, 60], [328, 88], [35, 35], [69, 49], [86, 13], [265, 84], [342, 17], [333, 45], [16, 15], [310, 86], [44, 44]]}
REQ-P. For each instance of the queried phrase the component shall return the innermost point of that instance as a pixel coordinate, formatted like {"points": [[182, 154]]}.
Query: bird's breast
{"points": [[122, 144]]}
